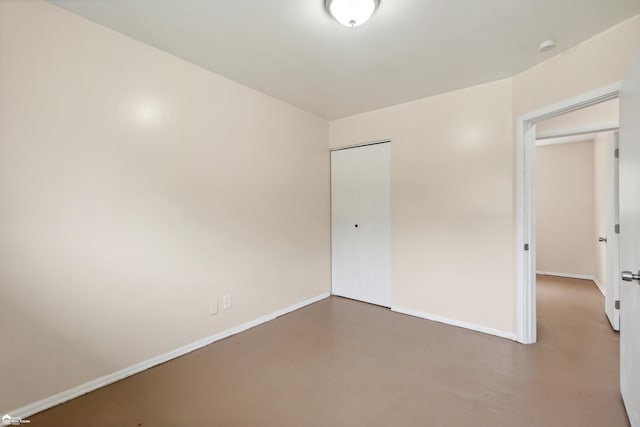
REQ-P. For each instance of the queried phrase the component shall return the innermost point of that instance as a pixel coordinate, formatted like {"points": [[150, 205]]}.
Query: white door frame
{"points": [[383, 301], [611, 127], [525, 202], [613, 274]]}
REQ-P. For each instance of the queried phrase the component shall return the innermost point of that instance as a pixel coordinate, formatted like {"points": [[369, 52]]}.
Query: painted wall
{"points": [[598, 62], [453, 179], [451, 201], [135, 187], [565, 224]]}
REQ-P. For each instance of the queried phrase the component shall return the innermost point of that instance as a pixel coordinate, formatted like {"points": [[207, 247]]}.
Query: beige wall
{"points": [[565, 228], [451, 201], [136, 187], [598, 62], [453, 179]]}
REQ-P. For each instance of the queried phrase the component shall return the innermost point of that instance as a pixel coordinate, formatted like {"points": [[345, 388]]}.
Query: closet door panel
{"points": [[344, 216], [374, 231], [360, 221]]}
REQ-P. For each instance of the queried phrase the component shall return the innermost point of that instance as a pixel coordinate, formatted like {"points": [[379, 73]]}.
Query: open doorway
{"points": [[576, 217], [526, 126]]}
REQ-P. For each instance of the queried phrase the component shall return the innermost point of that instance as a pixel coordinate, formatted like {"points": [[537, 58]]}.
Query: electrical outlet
{"points": [[226, 302], [213, 307]]}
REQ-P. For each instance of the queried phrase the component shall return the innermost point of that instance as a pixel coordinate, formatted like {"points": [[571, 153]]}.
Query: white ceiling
{"points": [[410, 49]]}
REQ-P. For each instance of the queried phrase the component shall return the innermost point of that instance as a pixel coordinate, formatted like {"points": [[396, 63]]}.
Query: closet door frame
{"points": [[380, 292]]}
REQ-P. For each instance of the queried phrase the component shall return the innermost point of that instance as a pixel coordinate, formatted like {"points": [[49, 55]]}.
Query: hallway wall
{"points": [[565, 209]]}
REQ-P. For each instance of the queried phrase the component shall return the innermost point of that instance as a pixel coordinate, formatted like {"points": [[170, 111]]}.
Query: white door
{"points": [[612, 246], [630, 243], [361, 223]]}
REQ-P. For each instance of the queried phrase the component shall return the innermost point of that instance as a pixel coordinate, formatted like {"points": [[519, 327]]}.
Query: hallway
{"points": [[577, 345]]}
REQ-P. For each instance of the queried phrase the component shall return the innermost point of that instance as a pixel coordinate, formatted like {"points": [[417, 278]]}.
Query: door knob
{"points": [[628, 276], [602, 239]]}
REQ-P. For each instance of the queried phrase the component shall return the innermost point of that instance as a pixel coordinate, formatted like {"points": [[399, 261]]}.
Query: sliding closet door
{"points": [[361, 231]]}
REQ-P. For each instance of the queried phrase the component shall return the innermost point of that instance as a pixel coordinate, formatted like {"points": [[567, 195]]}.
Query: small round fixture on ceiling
{"points": [[351, 12], [546, 45]]}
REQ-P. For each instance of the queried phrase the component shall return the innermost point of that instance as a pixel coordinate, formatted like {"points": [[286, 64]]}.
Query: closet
{"points": [[361, 223]]}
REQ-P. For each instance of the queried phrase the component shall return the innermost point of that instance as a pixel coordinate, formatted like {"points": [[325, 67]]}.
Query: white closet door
{"points": [[361, 230], [344, 215]]}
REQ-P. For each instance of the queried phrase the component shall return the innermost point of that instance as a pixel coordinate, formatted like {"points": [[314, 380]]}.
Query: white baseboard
{"points": [[460, 324], [575, 276], [67, 395], [600, 287], [568, 275]]}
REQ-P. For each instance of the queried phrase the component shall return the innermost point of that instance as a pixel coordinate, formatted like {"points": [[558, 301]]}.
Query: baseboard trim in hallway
{"points": [[49, 402], [457, 323], [574, 276], [600, 287]]}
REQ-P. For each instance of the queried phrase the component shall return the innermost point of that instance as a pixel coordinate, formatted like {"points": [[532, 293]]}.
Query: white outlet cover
{"points": [[227, 302], [213, 307]]}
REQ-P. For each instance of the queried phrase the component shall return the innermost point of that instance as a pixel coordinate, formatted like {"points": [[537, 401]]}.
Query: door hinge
{"points": [[526, 246], [618, 305], [617, 228], [616, 153]]}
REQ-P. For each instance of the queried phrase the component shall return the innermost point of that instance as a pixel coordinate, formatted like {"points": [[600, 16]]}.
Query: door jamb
{"points": [[525, 202]]}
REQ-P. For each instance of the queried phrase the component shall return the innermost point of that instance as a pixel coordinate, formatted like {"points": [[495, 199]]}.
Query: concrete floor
{"points": [[345, 363]]}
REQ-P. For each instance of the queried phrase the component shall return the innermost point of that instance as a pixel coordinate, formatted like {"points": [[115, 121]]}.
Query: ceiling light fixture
{"points": [[351, 13]]}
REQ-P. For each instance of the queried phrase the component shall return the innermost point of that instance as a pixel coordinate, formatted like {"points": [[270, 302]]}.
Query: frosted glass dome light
{"points": [[351, 12]]}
